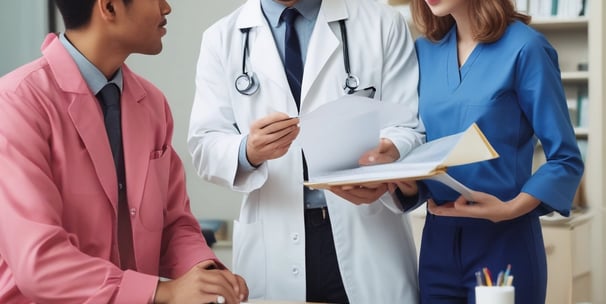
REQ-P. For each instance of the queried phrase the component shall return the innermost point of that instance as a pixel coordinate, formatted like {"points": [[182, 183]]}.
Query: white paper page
{"points": [[372, 173], [335, 135], [453, 184]]}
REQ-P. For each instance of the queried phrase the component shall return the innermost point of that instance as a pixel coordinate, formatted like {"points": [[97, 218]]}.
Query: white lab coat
{"points": [[374, 243]]}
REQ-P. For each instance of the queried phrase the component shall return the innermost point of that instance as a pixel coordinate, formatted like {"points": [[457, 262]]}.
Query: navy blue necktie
{"points": [[110, 98], [293, 62]]}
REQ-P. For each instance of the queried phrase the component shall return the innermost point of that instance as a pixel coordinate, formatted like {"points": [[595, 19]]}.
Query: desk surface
{"points": [[278, 302]]}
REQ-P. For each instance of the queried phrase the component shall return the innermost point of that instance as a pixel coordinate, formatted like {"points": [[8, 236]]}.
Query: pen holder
{"points": [[495, 295]]}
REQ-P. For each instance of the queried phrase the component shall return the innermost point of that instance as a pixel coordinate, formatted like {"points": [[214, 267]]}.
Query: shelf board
{"points": [[581, 132], [575, 76], [556, 23]]}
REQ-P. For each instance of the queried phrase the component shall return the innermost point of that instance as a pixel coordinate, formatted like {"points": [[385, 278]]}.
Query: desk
{"points": [[278, 302]]}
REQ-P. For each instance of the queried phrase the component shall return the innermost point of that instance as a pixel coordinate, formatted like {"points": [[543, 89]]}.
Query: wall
{"points": [[173, 72], [21, 40]]}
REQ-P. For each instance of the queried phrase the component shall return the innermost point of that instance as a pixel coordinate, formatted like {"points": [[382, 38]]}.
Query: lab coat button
{"points": [[133, 211], [295, 237], [295, 270]]}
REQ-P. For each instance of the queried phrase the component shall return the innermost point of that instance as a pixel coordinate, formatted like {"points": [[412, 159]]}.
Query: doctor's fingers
{"points": [[274, 121], [360, 195], [259, 137], [385, 152], [258, 154]]}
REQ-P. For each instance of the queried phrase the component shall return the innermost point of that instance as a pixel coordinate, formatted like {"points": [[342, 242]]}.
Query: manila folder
{"points": [[428, 160]]}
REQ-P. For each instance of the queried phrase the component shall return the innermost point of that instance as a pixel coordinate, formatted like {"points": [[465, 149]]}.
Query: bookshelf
{"points": [[595, 165]]}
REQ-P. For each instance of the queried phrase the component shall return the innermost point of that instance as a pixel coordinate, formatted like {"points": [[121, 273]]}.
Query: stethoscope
{"points": [[247, 83]]}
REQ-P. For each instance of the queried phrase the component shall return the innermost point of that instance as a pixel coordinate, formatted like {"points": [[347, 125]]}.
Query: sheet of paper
{"points": [[335, 135]]}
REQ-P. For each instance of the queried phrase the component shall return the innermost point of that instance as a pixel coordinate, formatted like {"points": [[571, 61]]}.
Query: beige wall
{"points": [[173, 72]]}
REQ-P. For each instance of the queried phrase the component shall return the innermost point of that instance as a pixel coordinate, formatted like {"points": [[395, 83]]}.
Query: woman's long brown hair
{"points": [[489, 19]]}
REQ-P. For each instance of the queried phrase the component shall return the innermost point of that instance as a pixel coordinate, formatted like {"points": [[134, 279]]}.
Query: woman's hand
{"points": [[486, 206]]}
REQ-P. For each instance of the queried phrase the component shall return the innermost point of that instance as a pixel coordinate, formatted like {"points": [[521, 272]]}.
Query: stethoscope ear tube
{"points": [[246, 83]]}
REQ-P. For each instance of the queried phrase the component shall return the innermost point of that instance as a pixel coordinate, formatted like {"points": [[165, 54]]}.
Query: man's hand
{"points": [[385, 152], [203, 285], [270, 137]]}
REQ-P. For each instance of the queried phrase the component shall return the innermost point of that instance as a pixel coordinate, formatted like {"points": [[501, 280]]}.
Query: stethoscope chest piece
{"points": [[247, 83], [351, 83]]}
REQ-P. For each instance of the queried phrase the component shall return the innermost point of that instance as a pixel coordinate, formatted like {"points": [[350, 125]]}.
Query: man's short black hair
{"points": [[77, 13]]}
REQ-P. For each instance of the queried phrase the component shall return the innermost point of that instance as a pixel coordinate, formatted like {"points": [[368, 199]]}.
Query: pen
{"points": [[507, 272], [487, 276], [479, 279], [500, 279], [509, 280]]}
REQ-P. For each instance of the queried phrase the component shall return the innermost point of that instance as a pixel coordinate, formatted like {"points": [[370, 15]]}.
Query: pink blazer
{"points": [[58, 189]]}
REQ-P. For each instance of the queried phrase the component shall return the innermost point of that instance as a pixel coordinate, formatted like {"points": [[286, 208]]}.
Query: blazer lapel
{"points": [[264, 58], [85, 113], [137, 136]]}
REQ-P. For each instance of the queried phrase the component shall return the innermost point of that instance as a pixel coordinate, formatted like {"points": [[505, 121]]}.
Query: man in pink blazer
{"points": [[58, 183]]}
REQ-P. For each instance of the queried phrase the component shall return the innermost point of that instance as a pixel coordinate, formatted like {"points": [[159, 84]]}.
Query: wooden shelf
{"points": [[581, 132], [575, 76], [555, 23]]}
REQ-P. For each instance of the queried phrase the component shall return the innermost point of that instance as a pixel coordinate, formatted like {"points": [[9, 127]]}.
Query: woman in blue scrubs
{"points": [[480, 62]]}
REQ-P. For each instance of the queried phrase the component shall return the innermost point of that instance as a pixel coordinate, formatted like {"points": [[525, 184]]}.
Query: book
{"points": [[428, 161]]}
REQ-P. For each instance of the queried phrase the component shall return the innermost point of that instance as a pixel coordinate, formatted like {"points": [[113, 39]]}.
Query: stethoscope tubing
{"points": [[246, 83]]}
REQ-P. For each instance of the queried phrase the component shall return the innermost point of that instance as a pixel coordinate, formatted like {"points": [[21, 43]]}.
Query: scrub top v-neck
{"points": [[456, 74]]}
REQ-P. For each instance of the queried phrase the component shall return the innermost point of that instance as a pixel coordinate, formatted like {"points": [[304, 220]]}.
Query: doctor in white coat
{"points": [[373, 241]]}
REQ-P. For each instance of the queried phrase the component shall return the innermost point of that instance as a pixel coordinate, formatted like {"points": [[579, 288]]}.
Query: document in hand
{"points": [[428, 161]]}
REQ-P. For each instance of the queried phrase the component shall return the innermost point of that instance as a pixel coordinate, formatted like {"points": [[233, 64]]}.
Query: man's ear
{"points": [[107, 9]]}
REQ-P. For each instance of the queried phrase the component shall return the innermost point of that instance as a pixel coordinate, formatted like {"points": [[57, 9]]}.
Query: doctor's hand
{"points": [[385, 152], [270, 137], [203, 284], [360, 194]]}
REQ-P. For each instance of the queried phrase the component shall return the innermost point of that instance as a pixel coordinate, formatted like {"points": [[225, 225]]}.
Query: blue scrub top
{"points": [[512, 89]]}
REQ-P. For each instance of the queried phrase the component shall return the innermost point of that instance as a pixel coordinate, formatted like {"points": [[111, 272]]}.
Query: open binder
{"points": [[428, 161]]}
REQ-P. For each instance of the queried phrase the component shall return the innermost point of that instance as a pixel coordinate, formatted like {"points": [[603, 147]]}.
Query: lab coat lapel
{"points": [[323, 42], [264, 58], [136, 133], [85, 113]]}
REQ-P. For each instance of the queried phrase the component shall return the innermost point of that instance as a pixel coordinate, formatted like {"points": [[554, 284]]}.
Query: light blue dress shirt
{"points": [[91, 74]]}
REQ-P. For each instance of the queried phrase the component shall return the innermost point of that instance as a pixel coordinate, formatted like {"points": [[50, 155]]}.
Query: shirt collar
{"points": [[91, 74], [309, 9]]}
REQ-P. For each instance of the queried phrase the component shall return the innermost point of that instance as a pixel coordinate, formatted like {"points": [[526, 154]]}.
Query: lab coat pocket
{"points": [[249, 256], [152, 208]]}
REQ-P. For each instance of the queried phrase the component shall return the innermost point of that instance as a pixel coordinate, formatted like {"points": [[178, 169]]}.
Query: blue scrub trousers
{"points": [[454, 248]]}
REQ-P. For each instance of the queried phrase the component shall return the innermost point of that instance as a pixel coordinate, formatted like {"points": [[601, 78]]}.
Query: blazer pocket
{"points": [[155, 193], [155, 154]]}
